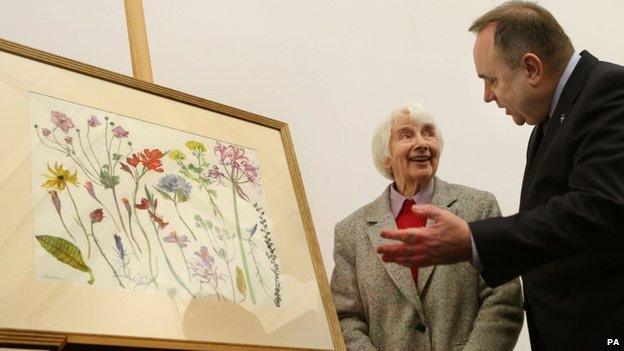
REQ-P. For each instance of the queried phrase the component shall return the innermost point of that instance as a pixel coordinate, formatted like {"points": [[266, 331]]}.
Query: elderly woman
{"points": [[385, 306]]}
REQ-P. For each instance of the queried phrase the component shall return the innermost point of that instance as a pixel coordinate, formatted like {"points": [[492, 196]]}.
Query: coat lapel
{"points": [[570, 93], [444, 198], [380, 217]]}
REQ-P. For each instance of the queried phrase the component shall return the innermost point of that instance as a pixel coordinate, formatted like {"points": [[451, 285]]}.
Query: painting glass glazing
{"points": [[138, 206]]}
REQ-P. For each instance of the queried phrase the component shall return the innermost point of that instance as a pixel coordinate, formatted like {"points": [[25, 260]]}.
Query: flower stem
{"points": [[105, 258], [188, 270], [175, 204], [171, 269], [84, 230], [240, 244], [149, 246], [133, 242]]}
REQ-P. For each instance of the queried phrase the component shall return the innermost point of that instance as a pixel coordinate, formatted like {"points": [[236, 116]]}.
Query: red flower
{"points": [[150, 159], [125, 167], [144, 205], [96, 215], [161, 223], [133, 161]]}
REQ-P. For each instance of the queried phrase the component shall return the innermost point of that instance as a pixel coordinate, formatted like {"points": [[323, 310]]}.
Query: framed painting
{"points": [[138, 216]]}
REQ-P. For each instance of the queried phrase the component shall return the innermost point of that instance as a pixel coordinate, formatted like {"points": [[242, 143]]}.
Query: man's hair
{"points": [[523, 27]]}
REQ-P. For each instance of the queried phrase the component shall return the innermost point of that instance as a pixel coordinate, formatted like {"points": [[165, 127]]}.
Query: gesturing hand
{"points": [[446, 241]]}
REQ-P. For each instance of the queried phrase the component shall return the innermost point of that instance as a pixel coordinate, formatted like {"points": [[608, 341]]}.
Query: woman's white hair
{"points": [[381, 139]]}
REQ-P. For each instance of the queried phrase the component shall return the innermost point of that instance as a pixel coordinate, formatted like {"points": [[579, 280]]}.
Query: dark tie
{"points": [[408, 219]]}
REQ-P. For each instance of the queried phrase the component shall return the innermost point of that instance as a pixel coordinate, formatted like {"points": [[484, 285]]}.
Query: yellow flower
{"points": [[177, 155], [195, 145], [59, 177]]}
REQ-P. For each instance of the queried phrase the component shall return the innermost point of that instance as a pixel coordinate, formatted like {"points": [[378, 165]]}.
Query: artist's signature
{"points": [[45, 276]]}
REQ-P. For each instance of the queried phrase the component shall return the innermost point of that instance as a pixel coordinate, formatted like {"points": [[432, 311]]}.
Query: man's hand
{"points": [[446, 241]]}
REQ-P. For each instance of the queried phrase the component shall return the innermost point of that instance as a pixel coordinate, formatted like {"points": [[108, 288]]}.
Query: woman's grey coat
{"points": [[379, 307]]}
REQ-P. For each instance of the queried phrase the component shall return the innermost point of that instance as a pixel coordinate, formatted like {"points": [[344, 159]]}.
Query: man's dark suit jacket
{"points": [[567, 241]]}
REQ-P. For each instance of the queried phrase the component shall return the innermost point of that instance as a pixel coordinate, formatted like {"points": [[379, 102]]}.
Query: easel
{"points": [[137, 36]]}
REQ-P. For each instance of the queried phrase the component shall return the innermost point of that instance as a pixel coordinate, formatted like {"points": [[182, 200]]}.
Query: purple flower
{"points": [[62, 121], [119, 132], [204, 268], [118, 244], [93, 121], [68, 139], [204, 256], [215, 174], [45, 132], [173, 237]]}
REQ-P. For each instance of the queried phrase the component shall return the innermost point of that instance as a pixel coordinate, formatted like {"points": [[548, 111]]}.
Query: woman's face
{"points": [[414, 154]]}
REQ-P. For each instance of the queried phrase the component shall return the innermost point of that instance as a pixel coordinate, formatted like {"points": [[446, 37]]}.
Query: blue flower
{"points": [[175, 184]]}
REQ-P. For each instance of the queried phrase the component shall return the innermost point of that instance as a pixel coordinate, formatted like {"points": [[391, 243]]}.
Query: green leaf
{"points": [[164, 194], [65, 252], [148, 194], [240, 281], [107, 180], [181, 196], [117, 156]]}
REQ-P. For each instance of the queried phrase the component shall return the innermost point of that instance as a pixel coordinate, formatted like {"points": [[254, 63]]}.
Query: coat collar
{"points": [[379, 216]]}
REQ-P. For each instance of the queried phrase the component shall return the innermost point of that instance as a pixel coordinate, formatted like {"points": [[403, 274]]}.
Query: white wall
{"points": [[332, 70]]}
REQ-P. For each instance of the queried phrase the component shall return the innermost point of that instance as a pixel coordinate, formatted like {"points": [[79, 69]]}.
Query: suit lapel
{"points": [[380, 217], [534, 140], [570, 93]]}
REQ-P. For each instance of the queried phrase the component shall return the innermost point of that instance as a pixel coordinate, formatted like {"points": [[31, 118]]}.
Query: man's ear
{"points": [[533, 67]]}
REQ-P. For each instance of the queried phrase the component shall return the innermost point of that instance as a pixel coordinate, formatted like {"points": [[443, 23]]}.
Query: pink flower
{"points": [[45, 132], [62, 121], [220, 149], [68, 139], [127, 205], [251, 172], [55, 200], [89, 186], [237, 156], [93, 121], [119, 132], [173, 237], [230, 155], [96, 215]]}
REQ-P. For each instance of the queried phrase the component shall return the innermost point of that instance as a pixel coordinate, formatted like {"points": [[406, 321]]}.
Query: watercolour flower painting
{"points": [[140, 207]]}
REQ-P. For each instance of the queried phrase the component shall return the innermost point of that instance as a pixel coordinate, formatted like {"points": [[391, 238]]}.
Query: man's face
{"points": [[509, 87], [414, 153]]}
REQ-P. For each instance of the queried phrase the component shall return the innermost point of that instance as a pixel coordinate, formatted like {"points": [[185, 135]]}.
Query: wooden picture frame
{"points": [[63, 257]]}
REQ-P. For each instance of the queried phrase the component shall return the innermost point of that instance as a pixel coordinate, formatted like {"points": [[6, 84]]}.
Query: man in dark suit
{"points": [[567, 240]]}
